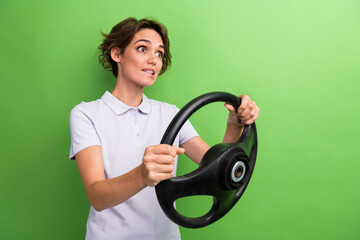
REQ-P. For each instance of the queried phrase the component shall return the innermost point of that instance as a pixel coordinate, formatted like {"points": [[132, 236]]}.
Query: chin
{"points": [[147, 82]]}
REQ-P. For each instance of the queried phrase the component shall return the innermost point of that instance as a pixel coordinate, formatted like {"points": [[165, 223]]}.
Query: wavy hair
{"points": [[122, 34]]}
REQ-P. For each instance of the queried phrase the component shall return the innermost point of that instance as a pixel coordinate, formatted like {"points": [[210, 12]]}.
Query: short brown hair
{"points": [[122, 34]]}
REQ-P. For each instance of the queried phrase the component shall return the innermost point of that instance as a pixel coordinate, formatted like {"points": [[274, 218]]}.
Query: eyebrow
{"points": [[148, 41]]}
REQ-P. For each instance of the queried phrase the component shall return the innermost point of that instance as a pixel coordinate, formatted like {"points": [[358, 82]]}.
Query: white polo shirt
{"points": [[123, 133]]}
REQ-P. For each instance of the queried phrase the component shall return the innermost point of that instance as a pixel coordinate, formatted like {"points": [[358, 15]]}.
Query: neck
{"points": [[129, 93]]}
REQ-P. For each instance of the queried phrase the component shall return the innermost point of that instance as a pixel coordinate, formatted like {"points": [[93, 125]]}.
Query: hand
{"points": [[158, 163], [247, 112]]}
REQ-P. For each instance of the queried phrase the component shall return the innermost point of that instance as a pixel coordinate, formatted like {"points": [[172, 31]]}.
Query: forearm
{"points": [[233, 132], [108, 193], [195, 148]]}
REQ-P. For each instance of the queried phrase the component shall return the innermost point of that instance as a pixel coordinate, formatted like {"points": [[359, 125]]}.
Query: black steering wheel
{"points": [[224, 172]]}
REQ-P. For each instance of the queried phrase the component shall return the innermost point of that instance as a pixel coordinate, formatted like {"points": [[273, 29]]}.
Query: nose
{"points": [[152, 59]]}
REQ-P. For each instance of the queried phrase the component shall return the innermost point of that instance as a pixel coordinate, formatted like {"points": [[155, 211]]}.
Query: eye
{"points": [[159, 54], [141, 49]]}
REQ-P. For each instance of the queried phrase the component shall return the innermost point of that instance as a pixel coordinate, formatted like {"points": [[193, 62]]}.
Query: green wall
{"points": [[299, 60]]}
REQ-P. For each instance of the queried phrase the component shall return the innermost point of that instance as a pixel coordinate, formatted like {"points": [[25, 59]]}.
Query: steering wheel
{"points": [[223, 173]]}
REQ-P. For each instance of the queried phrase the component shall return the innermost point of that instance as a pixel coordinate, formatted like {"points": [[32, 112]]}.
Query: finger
{"points": [[164, 159], [253, 118], [149, 159], [244, 102], [161, 168], [250, 121], [248, 114], [247, 111], [230, 107], [162, 149]]}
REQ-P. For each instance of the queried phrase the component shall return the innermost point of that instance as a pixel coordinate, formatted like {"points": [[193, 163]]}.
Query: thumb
{"points": [[230, 107], [179, 150]]}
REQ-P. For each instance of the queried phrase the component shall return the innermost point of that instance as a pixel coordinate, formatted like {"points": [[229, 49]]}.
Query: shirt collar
{"points": [[118, 107]]}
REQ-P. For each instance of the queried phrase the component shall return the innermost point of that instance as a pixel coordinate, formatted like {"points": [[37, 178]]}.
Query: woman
{"points": [[115, 139]]}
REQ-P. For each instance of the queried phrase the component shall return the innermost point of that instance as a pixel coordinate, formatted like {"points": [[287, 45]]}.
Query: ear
{"points": [[115, 54]]}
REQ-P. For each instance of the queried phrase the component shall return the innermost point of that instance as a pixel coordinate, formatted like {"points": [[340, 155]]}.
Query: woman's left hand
{"points": [[247, 112]]}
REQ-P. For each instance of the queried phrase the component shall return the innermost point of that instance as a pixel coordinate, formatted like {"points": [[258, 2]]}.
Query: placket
{"points": [[135, 116]]}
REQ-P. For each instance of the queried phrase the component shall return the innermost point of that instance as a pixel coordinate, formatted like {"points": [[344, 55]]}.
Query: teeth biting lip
{"points": [[152, 72]]}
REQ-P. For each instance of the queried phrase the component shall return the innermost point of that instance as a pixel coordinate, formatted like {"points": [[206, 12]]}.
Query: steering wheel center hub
{"points": [[238, 171]]}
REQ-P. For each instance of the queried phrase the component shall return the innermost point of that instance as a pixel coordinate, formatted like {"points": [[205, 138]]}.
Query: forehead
{"points": [[148, 34]]}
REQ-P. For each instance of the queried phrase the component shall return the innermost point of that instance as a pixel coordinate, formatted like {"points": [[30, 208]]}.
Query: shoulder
{"points": [[87, 109], [163, 106]]}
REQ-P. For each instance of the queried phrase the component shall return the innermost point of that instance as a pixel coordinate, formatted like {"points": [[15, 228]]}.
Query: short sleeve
{"points": [[82, 130], [186, 132]]}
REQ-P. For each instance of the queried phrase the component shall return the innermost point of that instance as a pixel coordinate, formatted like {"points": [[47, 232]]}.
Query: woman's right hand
{"points": [[158, 163]]}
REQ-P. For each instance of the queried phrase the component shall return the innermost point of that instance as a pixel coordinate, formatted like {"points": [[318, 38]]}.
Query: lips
{"points": [[149, 71]]}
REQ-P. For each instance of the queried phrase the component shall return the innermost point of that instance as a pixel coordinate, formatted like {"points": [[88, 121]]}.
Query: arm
{"points": [[157, 165], [195, 148], [247, 113]]}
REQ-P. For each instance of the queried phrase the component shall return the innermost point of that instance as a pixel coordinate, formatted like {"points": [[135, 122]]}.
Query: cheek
{"points": [[133, 63], [159, 65], [135, 60]]}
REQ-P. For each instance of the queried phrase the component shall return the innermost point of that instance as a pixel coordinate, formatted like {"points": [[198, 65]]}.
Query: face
{"points": [[141, 61]]}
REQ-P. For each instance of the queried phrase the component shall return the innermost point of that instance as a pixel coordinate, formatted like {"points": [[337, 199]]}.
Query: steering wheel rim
{"points": [[225, 194]]}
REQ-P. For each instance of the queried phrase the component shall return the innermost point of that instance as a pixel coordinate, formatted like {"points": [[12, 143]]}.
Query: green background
{"points": [[299, 60]]}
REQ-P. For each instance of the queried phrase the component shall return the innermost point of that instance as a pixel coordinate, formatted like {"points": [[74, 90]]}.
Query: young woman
{"points": [[115, 139]]}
